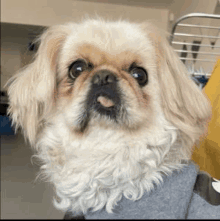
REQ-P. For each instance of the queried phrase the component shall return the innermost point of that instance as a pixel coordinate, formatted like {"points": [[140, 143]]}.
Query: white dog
{"points": [[113, 116]]}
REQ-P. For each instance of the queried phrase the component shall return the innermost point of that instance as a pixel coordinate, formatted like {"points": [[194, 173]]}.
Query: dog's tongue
{"points": [[105, 101]]}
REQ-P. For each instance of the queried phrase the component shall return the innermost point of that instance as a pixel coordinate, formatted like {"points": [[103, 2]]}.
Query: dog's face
{"points": [[108, 78], [109, 102]]}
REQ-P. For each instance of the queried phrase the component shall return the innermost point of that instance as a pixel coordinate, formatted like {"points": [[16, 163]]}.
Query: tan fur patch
{"points": [[118, 63], [65, 88], [98, 57]]}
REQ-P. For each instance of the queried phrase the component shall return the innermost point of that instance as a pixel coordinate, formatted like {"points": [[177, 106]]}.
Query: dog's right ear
{"points": [[32, 90]]}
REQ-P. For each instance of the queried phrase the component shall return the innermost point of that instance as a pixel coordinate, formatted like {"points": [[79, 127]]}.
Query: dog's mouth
{"points": [[103, 103], [104, 106]]}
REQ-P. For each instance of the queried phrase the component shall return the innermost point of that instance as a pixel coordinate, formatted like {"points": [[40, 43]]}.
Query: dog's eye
{"points": [[140, 75], [77, 67]]}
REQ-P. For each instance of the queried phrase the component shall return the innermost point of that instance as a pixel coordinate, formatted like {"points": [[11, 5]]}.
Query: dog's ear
{"points": [[184, 105], [31, 91]]}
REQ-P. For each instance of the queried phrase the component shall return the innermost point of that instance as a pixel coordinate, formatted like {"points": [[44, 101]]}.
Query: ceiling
{"points": [[172, 5], [140, 3]]}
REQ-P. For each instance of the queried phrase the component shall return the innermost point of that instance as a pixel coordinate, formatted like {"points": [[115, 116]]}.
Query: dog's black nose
{"points": [[104, 77]]}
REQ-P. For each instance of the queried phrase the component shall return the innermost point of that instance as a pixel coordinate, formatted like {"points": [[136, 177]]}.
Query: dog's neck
{"points": [[97, 169]]}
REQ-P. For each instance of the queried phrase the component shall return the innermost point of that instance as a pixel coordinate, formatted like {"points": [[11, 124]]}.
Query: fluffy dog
{"points": [[110, 109]]}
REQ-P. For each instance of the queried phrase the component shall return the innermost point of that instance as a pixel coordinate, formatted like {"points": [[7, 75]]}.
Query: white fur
{"points": [[109, 160], [97, 172]]}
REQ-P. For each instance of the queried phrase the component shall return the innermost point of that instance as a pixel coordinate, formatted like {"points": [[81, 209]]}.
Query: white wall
{"points": [[50, 12], [14, 51], [183, 7]]}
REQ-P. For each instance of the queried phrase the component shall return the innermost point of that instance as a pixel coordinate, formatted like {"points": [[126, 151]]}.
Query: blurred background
{"points": [[22, 196]]}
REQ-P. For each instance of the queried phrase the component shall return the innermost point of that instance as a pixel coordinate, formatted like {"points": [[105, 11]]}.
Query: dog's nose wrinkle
{"points": [[104, 77]]}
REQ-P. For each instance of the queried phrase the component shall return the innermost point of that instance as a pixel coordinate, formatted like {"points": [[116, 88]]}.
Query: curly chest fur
{"points": [[96, 170]]}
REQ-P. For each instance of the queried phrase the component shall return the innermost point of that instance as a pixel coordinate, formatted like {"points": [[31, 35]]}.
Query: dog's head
{"points": [[114, 78]]}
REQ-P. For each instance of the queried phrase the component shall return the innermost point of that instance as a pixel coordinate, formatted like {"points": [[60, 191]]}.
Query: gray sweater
{"points": [[188, 194]]}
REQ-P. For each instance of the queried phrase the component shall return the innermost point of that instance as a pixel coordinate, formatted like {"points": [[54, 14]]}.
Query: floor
{"points": [[22, 196]]}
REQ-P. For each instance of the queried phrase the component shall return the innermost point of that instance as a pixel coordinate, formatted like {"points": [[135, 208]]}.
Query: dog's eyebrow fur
{"points": [[120, 60]]}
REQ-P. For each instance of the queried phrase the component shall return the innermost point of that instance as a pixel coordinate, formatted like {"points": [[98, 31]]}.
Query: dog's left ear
{"points": [[32, 90], [184, 105]]}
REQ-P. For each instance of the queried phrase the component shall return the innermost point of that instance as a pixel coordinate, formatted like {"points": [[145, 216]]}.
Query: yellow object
{"points": [[207, 156]]}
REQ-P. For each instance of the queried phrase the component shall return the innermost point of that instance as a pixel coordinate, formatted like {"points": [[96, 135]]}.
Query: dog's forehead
{"points": [[108, 33], [113, 38]]}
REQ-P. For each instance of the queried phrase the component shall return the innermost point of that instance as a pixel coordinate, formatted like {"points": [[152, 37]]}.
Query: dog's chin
{"points": [[101, 109], [113, 117], [99, 116], [105, 114]]}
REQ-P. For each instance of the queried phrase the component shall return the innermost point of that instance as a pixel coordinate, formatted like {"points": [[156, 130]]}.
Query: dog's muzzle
{"points": [[104, 97]]}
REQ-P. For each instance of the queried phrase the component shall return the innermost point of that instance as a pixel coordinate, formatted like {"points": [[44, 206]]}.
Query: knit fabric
{"points": [[175, 198]]}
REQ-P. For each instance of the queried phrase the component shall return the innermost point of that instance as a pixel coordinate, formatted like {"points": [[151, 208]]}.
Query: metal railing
{"points": [[185, 37]]}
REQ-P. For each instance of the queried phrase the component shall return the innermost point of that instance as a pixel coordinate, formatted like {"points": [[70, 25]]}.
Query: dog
{"points": [[111, 112]]}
